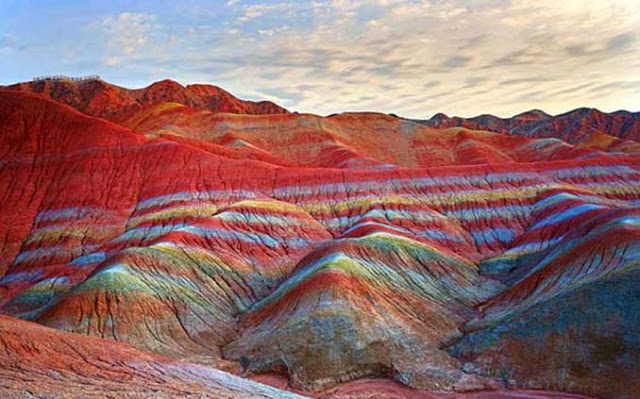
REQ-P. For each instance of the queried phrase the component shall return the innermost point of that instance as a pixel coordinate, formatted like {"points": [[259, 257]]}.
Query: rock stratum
{"points": [[150, 237]]}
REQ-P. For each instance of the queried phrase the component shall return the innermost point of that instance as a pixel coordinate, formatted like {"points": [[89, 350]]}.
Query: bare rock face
{"points": [[579, 302], [200, 229], [41, 362], [354, 309]]}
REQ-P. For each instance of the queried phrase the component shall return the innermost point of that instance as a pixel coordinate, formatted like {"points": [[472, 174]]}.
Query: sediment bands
{"points": [[200, 231]]}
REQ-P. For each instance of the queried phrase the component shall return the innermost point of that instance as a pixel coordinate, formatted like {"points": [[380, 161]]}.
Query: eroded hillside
{"points": [[322, 249]]}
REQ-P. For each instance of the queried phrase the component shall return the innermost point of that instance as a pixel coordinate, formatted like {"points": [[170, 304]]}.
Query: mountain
{"points": [[96, 97], [347, 141], [584, 126], [347, 255]]}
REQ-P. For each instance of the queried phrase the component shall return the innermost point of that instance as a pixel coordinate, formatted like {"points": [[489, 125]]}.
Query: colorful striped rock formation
{"points": [[41, 362], [200, 231]]}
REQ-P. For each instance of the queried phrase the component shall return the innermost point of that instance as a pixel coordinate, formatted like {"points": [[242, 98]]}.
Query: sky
{"points": [[413, 58]]}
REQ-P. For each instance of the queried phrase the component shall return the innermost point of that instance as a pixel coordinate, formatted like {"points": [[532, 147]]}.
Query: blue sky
{"points": [[410, 57]]}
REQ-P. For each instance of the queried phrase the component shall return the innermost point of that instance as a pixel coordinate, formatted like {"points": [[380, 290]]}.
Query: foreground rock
{"points": [[40, 362], [577, 303]]}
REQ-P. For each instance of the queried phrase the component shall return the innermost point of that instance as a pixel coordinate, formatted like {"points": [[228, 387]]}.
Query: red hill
{"points": [[96, 97]]}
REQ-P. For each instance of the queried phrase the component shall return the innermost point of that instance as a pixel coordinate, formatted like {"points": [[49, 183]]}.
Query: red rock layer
{"points": [[346, 141], [41, 362]]}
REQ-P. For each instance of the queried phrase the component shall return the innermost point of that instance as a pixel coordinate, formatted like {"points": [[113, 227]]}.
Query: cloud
{"points": [[474, 81], [474, 42], [599, 49], [577, 50], [456, 61], [431, 84], [516, 57], [128, 31], [8, 44], [573, 90], [618, 85], [524, 81], [273, 31], [253, 11], [621, 41], [112, 61], [7, 41]]}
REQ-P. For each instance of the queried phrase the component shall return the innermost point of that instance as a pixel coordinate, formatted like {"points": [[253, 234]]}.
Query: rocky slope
{"points": [[41, 362], [347, 141], [324, 250]]}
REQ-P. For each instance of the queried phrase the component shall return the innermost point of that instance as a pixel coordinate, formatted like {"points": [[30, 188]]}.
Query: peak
{"points": [[439, 116], [203, 88], [581, 110], [165, 83], [485, 116], [533, 114], [203, 85], [539, 112]]}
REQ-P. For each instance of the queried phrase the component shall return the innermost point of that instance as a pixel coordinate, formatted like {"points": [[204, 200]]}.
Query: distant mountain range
{"points": [[577, 126]]}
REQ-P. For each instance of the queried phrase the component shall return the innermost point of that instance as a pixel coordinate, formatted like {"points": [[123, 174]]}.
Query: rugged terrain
{"points": [[334, 253]]}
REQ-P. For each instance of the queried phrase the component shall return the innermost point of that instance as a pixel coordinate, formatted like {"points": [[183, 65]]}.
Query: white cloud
{"points": [[112, 61], [273, 31], [128, 31], [254, 11], [7, 44]]}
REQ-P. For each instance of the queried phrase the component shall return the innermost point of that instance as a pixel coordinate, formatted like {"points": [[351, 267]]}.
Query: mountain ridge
{"points": [[572, 126], [99, 98]]}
